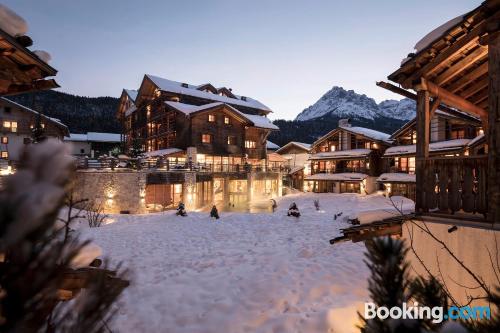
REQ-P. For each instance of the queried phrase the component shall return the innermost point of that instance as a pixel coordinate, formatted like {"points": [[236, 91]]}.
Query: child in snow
{"points": [[181, 210], [214, 213], [273, 205], [316, 204], [293, 210]]}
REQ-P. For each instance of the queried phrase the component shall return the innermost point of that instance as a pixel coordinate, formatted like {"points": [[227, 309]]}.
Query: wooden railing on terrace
{"points": [[340, 170], [454, 184], [166, 165]]}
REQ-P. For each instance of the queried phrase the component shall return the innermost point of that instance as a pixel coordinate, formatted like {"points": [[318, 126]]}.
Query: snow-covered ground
{"points": [[243, 273]]}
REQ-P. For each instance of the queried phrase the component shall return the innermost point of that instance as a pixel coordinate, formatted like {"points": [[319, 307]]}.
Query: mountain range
{"points": [[97, 114], [347, 103]]}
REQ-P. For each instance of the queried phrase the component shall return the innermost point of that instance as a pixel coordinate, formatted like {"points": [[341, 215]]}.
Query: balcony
{"points": [[341, 170], [455, 186]]}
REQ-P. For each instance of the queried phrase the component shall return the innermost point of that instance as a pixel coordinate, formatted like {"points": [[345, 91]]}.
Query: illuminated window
{"points": [[5, 154], [10, 124], [5, 140], [231, 140], [226, 120], [250, 144], [332, 148], [211, 118], [206, 138]]}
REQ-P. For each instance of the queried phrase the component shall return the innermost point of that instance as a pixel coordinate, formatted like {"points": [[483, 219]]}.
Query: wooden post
{"points": [[494, 128], [422, 151]]}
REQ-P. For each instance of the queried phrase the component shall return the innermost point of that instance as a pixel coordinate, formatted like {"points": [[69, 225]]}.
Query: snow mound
{"points": [[12, 23], [43, 55]]}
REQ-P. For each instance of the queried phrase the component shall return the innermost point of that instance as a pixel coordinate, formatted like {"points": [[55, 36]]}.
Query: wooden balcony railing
{"points": [[454, 184], [167, 165], [340, 170]]}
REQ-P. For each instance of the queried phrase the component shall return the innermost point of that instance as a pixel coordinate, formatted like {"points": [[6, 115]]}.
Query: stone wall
{"points": [[116, 191]]}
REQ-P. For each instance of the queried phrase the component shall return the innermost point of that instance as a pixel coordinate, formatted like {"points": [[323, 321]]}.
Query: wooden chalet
{"points": [[16, 128], [297, 163], [347, 159], [457, 67], [209, 130], [450, 135]]}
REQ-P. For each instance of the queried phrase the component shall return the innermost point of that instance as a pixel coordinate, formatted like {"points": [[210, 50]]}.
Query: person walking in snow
{"points": [[214, 213], [293, 210], [181, 209]]}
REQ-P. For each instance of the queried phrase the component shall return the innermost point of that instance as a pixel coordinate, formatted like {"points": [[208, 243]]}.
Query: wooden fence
{"points": [[453, 184]]}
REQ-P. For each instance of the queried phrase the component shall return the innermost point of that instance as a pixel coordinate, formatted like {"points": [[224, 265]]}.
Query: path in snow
{"points": [[243, 273]]}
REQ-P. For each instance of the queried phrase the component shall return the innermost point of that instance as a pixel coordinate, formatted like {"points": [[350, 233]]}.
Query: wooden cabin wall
{"points": [[219, 132], [259, 136]]}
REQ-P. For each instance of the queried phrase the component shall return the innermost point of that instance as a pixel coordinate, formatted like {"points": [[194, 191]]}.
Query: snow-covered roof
{"points": [[76, 137], [130, 110], [11, 22], [341, 154], [433, 147], [301, 145], [257, 121], [349, 176], [274, 157], [437, 33], [132, 94], [162, 152], [187, 109], [475, 140], [396, 177], [271, 145], [295, 169], [191, 90], [94, 137], [369, 133]]}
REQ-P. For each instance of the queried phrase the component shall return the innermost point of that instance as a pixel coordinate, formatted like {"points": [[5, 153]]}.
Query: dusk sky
{"points": [[286, 54]]}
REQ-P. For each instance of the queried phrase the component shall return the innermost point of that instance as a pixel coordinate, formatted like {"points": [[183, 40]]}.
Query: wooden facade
{"points": [[458, 69], [347, 159], [165, 114]]}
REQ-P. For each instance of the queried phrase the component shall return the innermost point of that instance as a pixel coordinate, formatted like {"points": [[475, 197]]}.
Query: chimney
{"points": [[345, 122]]}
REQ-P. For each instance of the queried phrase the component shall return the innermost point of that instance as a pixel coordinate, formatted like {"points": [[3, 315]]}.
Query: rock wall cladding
{"points": [[115, 191]]}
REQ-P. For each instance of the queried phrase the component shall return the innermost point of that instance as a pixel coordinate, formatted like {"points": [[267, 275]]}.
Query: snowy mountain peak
{"points": [[347, 103]]}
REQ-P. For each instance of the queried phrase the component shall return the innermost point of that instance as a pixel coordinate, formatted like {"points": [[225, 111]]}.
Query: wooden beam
{"points": [[478, 98], [461, 65], [451, 51], [469, 77], [434, 106], [422, 149], [493, 133], [453, 100], [475, 87]]}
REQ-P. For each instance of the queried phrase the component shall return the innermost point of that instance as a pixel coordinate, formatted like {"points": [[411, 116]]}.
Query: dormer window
{"points": [[243, 98], [185, 85], [211, 118], [226, 120]]}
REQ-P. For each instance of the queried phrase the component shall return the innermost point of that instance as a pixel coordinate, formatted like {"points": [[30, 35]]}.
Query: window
{"points": [[206, 138], [10, 124], [4, 155], [231, 140], [7, 109], [5, 140], [211, 118], [250, 144], [332, 148], [82, 151], [226, 120]]}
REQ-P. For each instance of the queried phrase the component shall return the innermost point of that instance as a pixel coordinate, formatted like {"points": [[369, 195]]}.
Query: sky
{"points": [[284, 53]]}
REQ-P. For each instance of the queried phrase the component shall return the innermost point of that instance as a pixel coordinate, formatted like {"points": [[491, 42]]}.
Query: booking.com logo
{"points": [[435, 314]]}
